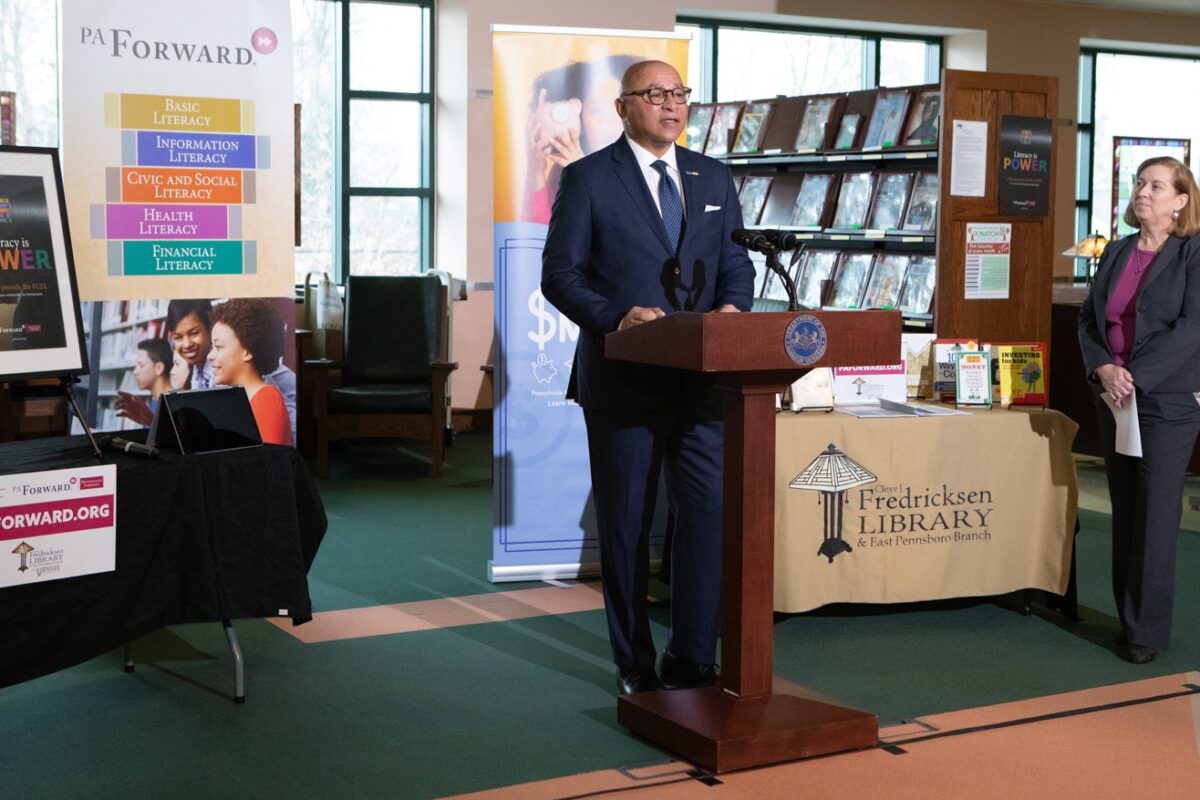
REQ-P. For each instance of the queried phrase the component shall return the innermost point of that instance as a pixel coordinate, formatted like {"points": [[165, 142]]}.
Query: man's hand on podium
{"points": [[725, 309], [637, 315]]}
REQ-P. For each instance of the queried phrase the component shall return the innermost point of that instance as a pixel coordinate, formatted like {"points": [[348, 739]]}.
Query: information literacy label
{"points": [[57, 524]]}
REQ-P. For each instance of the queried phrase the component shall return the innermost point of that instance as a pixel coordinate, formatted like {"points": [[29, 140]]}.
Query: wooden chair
{"points": [[395, 369]]}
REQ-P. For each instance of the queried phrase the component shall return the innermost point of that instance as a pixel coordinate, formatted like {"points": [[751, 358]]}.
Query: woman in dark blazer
{"points": [[1139, 331]]}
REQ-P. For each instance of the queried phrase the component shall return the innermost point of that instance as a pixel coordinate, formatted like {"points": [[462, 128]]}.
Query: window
{"points": [[741, 61], [1107, 83], [30, 28]]}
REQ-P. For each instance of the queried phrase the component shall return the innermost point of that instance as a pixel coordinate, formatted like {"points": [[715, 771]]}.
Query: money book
{"points": [[1022, 372], [944, 351]]}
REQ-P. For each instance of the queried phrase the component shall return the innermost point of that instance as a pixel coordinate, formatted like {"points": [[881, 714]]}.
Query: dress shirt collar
{"points": [[645, 158]]}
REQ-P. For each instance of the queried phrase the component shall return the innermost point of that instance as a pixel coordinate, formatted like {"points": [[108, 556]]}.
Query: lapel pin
{"points": [[689, 172]]}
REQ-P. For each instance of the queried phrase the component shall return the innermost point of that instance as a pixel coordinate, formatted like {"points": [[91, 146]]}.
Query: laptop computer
{"points": [[204, 421]]}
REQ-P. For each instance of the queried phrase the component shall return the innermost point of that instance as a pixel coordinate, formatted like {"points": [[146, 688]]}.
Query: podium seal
{"points": [[805, 340]]}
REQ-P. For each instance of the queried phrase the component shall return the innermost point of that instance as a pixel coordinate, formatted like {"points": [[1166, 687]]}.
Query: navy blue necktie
{"points": [[672, 206]]}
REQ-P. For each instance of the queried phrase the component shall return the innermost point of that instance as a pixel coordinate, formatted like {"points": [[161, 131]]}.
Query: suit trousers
{"points": [[1147, 505], [628, 450]]}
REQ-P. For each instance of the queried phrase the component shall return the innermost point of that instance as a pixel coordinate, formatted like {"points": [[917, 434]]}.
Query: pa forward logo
{"points": [[264, 41]]}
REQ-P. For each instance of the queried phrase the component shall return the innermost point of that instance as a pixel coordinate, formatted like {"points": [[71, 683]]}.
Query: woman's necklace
{"points": [[1139, 262]]}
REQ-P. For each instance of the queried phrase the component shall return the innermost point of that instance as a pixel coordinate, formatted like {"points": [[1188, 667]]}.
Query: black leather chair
{"points": [[395, 369]]}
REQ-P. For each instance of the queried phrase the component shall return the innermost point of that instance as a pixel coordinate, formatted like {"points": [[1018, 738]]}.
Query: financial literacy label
{"points": [[169, 149], [183, 258]]}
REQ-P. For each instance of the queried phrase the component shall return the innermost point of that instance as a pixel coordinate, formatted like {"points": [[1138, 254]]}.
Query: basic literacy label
{"points": [[167, 185], [183, 258], [233, 151], [135, 221], [169, 112]]}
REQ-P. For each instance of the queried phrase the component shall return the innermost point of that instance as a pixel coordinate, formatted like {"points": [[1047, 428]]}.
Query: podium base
{"points": [[723, 732]]}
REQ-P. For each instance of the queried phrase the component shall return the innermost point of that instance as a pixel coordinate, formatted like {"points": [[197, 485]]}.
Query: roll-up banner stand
{"points": [[553, 93]]}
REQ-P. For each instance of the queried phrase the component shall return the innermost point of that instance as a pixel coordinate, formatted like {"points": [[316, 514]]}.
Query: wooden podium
{"points": [[743, 723]]}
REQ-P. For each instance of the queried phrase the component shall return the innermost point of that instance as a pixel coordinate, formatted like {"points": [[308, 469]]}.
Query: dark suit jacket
{"points": [[606, 251], [1166, 349]]}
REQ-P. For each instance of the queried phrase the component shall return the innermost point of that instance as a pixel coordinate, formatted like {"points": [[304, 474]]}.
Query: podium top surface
{"points": [[759, 341]]}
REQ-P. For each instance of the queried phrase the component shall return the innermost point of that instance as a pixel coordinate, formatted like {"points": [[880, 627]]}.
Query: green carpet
{"points": [[441, 712]]}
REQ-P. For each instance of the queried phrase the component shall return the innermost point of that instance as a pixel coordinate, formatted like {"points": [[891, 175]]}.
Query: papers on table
{"points": [[1129, 435], [890, 409]]}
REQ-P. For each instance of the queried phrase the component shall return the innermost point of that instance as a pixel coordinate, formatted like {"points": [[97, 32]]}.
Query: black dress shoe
{"points": [[680, 674], [1138, 654], [637, 680]]}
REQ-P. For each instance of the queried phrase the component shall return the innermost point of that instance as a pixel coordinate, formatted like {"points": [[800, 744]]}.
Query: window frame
{"points": [[872, 40], [425, 97]]}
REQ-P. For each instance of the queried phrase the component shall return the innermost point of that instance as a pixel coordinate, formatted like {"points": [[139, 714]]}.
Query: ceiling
{"points": [[1191, 7]]}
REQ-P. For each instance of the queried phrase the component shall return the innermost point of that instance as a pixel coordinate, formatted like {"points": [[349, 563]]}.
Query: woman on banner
{"points": [[189, 327], [151, 373], [1139, 331], [571, 115], [247, 344]]}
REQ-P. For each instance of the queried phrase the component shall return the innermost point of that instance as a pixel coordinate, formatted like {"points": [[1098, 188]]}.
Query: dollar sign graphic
{"points": [[545, 324]]}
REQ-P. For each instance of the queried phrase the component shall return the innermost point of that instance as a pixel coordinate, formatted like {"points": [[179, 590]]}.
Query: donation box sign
{"points": [[57, 524]]}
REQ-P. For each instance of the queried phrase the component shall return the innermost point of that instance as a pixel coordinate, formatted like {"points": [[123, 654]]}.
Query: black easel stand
{"points": [[67, 383]]}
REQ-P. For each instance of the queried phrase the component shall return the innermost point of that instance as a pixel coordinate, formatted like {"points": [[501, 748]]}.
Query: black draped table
{"points": [[202, 538]]}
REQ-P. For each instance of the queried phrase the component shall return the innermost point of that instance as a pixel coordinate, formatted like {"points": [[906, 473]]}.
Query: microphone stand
{"points": [[789, 285]]}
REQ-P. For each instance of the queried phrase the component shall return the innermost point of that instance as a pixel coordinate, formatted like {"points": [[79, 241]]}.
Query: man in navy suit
{"points": [[638, 230]]}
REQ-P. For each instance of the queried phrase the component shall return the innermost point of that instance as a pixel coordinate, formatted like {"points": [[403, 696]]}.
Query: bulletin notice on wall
{"points": [[988, 261]]}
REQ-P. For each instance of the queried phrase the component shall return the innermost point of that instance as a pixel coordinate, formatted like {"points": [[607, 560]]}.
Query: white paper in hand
{"points": [[1129, 433]]}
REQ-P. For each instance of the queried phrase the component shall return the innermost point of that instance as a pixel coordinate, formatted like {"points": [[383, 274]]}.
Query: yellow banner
{"points": [[176, 113], [548, 84]]}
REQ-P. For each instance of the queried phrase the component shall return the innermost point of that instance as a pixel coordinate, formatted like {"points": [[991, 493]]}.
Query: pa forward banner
{"points": [[57, 524], [178, 147], [553, 103]]}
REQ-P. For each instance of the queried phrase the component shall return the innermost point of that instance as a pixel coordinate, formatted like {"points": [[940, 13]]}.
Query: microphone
{"points": [[765, 240], [119, 445]]}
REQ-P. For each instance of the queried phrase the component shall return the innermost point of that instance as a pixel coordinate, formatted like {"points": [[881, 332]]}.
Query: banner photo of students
{"points": [[143, 348], [553, 103], [177, 134]]}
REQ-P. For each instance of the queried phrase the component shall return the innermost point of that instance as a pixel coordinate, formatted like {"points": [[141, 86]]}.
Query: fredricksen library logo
{"points": [[857, 507], [125, 43]]}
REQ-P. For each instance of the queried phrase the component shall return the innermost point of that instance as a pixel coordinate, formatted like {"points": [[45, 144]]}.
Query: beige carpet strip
{"points": [[425, 615], [1131, 740]]}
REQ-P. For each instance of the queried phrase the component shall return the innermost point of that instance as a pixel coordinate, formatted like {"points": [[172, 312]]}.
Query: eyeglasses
{"points": [[656, 96]]}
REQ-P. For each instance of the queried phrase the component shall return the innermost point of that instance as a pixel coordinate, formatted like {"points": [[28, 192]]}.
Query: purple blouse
{"points": [[1120, 314]]}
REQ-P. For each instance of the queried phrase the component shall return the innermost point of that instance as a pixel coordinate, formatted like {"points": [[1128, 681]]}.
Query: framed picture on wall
{"points": [[41, 331], [1128, 153]]}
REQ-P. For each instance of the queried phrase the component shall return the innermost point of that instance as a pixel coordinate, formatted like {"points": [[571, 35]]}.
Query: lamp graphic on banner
{"points": [[23, 550], [832, 473]]}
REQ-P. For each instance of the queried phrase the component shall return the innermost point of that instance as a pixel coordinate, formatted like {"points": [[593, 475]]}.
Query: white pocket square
{"points": [[708, 208]]}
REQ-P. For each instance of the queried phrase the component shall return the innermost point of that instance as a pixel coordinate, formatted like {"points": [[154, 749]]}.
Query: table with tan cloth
{"points": [[956, 506]]}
